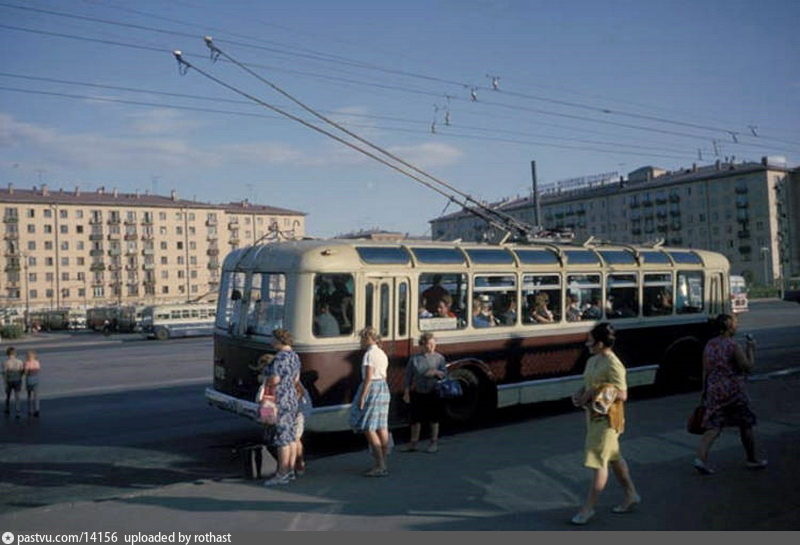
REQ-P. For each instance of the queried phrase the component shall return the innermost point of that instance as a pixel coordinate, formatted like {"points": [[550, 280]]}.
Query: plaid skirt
{"points": [[375, 414]]}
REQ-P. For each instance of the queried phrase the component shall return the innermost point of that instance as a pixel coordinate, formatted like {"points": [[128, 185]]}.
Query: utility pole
{"points": [[535, 196]]}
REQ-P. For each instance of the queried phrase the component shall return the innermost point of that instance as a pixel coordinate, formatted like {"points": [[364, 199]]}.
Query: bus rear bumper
{"points": [[322, 419]]}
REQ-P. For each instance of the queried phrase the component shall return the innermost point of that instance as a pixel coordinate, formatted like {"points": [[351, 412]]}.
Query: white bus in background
{"points": [[738, 294], [164, 322]]}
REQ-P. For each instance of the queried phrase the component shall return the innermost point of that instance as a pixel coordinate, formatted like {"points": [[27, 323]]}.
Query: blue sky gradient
{"points": [[584, 87]]}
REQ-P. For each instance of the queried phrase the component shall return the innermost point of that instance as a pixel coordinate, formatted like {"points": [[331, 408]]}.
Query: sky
{"points": [[91, 95]]}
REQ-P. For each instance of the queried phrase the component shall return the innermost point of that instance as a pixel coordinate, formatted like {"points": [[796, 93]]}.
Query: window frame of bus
{"points": [[623, 285], [689, 309], [435, 323], [597, 286], [315, 303], [657, 284], [252, 308], [478, 290], [527, 290]]}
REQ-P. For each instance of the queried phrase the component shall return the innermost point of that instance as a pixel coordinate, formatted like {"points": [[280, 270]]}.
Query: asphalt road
{"points": [[122, 416]]}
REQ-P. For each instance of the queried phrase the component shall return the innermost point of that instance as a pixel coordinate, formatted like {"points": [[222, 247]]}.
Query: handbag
{"points": [[267, 407], [694, 424], [448, 388]]}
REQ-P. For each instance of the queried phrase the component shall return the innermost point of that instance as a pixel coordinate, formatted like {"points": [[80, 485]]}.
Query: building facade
{"points": [[79, 250], [747, 211]]}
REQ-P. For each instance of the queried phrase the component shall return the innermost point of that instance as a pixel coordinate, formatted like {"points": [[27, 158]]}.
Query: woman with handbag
{"points": [[280, 377], [423, 371], [369, 413], [725, 364], [604, 380]]}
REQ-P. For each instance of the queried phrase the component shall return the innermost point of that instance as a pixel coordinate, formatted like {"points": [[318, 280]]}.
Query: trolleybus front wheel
{"points": [[476, 402], [162, 334]]}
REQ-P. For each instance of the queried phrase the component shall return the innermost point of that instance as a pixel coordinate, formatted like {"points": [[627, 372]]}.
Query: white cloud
{"points": [[429, 154], [162, 121], [94, 150]]}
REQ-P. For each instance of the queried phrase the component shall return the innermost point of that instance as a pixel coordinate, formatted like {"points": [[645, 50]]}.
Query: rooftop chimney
{"points": [[10, 188], [115, 193], [101, 190], [136, 194], [173, 195], [716, 164], [45, 193], [77, 191]]}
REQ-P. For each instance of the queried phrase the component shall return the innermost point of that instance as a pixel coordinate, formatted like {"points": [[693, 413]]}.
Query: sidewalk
{"points": [[520, 476]]}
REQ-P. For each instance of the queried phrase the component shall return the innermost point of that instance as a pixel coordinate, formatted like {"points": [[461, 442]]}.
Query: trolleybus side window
{"points": [[333, 305], [657, 294], [584, 297], [541, 298], [494, 301], [443, 301], [230, 300], [265, 305], [623, 296], [689, 292]]}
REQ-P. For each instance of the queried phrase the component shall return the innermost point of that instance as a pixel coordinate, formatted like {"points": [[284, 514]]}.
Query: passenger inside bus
{"points": [[574, 313], [434, 294], [443, 308], [509, 314], [325, 325], [541, 313], [481, 316], [594, 312], [341, 303]]}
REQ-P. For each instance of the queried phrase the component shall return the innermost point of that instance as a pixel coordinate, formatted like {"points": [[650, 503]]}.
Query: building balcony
{"points": [[131, 267], [115, 252], [147, 221], [113, 220], [97, 253], [661, 214], [97, 266], [675, 213], [570, 212], [674, 198], [211, 222], [743, 234], [647, 203], [115, 267], [94, 237], [149, 266], [147, 236], [233, 225], [148, 251], [114, 236], [635, 204], [131, 236], [742, 204], [213, 265], [234, 240], [12, 267], [744, 249], [13, 235], [661, 200], [211, 238], [212, 251], [10, 219], [95, 221], [131, 252], [675, 226]]}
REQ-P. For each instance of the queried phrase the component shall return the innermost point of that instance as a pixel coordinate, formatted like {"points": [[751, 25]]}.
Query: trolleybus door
{"points": [[386, 308]]}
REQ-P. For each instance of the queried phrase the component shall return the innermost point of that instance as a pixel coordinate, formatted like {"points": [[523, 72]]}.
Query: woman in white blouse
{"points": [[369, 413]]}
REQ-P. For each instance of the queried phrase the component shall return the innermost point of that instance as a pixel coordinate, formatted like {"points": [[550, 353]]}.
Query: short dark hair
{"points": [[425, 337], [604, 333], [10, 351], [283, 336], [721, 322]]}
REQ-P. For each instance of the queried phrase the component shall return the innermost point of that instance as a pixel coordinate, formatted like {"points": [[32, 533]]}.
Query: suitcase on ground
{"points": [[259, 463]]}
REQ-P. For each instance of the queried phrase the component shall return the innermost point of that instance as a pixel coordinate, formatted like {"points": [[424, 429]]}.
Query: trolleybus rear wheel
{"points": [[476, 402], [162, 334]]}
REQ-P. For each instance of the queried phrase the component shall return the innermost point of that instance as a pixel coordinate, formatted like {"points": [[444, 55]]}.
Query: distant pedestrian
{"points": [[602, 396], [725, 365], [31, 369], [280, 376], [369, 412], [12, 375], [423, 371]]}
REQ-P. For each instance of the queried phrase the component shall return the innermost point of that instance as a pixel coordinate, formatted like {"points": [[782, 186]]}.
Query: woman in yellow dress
{"points": [[604, 374]]}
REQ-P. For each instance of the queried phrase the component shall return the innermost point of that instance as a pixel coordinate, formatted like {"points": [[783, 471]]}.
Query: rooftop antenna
{"points": [[753, 129]]}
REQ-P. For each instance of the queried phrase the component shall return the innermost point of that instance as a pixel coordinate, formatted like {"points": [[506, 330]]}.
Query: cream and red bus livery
{"points": [[511, 319]]}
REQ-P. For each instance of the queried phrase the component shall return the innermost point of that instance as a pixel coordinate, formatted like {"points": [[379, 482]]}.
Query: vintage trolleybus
{"points": [[510, 319]]}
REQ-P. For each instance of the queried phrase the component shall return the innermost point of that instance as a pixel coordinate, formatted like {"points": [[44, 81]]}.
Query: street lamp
{"points": [[764, 253]]}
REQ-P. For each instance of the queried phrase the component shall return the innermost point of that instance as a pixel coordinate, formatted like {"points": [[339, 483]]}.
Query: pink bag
{"points": [[267, 408]]}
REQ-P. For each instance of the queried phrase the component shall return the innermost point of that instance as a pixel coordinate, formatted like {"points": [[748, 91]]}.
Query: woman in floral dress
{"points": [[281, 375], [725, 364]]}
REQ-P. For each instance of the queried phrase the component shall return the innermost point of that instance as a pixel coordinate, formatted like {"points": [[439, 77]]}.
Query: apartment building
{"points": [[77, 249], [743, 210]]}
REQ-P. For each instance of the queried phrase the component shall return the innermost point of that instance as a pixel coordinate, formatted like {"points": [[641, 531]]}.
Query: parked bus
{"points": [[659, 300], [738, 294], [164, 322]]}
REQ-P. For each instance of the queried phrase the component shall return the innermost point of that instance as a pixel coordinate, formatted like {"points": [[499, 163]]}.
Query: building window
{"points": [[178, 230], [180, 245], [80, 245], [79, 229], [180, 274], [164, 289], [33, 294], [31, 277], [98, 291], [48, 261], [81, 292], [62, 213], [79, 214], [32, 245], [48, 228], [192, 231], [48, 293], [192, 245], [80, 260], [193, 274], [32, 261], [31, 228], [48, 213], [31, 213], [65, 276], [162, 230], [65, 262], [163, 245], [180, 260], [162, 216], [164, 260], [65, 246], [193, 260], [164, 275], [191, 216]]}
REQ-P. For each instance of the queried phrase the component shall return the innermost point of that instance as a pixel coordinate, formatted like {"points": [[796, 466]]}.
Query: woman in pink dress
{"points": [[725, 364]]}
